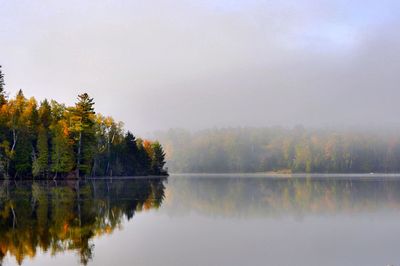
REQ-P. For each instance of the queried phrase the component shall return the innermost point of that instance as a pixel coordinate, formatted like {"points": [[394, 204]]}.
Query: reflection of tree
{"points": [[277, 196], [60, 217]]}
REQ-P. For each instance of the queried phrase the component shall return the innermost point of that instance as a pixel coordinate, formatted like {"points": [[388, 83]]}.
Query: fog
{"points": [[198, 64]]}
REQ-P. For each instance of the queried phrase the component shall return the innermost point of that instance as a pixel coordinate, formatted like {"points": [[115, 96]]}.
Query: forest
{"points": [[50, 140], [286, 150]]}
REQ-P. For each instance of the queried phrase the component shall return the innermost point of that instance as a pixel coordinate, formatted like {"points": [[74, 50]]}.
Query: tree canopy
{"points": [[49, 139]]}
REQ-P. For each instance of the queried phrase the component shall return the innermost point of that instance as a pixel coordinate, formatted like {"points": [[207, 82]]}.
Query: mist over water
{"points": [[283, 150]]}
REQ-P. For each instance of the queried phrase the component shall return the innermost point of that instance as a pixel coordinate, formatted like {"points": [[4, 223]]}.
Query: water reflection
{"points": [[235, 220], [65, 216], [230, 196]]}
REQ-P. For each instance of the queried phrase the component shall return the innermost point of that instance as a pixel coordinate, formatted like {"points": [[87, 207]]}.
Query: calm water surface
{"points": [[202, 220]]}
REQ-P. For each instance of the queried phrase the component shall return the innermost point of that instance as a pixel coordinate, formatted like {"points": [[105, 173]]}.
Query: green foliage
{"points": [[131, 158], [45, 114], [158, 158], [22, 161], [62, 157], [53, 140], [83, 121], [42, 161], [143, 156]]}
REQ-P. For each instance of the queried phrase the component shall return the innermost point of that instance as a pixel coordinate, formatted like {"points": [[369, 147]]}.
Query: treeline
{"points": [[279, 149], [50, 139]]}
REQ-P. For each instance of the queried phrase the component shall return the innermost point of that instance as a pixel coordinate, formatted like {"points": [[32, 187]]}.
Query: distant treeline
{"points": [[50, 139], [280, 149]]}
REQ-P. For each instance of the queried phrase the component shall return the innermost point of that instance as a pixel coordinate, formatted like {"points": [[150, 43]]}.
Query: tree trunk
{"points": [[78, 157], [15, 137]]}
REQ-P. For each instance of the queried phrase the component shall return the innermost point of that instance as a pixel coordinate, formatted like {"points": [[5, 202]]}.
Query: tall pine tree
{"points": [[83, 121]]}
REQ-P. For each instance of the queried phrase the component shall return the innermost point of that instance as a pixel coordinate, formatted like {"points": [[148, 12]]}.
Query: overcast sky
{"points": [[198, 64]]}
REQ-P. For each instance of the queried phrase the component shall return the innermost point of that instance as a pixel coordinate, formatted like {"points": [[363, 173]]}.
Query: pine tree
{"points": [[158, 159], [22, 161], [54, 139], [129, 155], [41, 164], [83, 121], [45, 117]]}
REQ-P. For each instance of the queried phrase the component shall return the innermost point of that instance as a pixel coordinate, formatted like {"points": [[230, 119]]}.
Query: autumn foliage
{"points": [[51, 139]]}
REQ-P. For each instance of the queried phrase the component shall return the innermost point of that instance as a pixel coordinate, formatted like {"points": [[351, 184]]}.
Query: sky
{"points": [[157, 64]]}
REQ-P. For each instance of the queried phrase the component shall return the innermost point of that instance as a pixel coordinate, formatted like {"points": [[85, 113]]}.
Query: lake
{"points": [[202, 220]]}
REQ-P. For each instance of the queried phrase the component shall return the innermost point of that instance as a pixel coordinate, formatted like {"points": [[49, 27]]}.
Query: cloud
{"points": [[196, 64]]}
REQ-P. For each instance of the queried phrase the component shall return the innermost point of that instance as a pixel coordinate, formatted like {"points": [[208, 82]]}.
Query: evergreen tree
{"points": [[143, 158], [45, 117], [83, 127], [62, 157], [54, 139], [41, 164], [129, 155], [158, 159], [22, 161]]}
